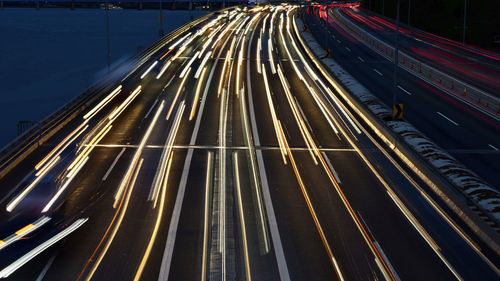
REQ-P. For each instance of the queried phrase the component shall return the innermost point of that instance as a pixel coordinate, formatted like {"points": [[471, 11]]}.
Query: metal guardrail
{"points": [[22, 146], [463, 91]]}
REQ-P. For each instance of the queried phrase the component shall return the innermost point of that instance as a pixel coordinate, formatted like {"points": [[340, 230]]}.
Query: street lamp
{"points": [[160, 20], [465, 17], [396, 57], [409, 13]]}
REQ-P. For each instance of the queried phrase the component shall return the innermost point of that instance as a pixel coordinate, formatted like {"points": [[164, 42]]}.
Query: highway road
{"points": [[226, 156], [469, 135]]}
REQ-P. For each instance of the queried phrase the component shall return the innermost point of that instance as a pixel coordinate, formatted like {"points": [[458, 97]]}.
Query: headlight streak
{"points": [[346, 203], [159, 216], [124, 105], [61, 144], [39, 176], [259, 49], [179, 90], [298, 118], [277, 129], [205, 46], [179, 41], [270, 53], [242, 218], [223, 73], [188, 66], [86, 151], [320, 103], [149, 69], [163, 164], [121, 211], [251, 149], [65, 185], [103, 103], [126, 179], [314, 216], [202, 65], [7, 271], [23, 232], [197, 94], [163, 69], [206, 216], [222, 181]]}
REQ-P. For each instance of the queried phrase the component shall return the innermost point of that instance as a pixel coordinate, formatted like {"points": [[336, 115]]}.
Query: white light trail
{"points": [[7, 271], [163, 69], [103, 103], [149, 69]]}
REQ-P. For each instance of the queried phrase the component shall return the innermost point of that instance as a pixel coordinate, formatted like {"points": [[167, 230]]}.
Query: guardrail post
{"points": [[479, 100], [465, 92], [452, 84], [420, 70], [440, 79]]}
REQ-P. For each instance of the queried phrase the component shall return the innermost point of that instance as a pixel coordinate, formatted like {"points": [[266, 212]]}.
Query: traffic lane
{"points": [[422, 113], [399, 223], [454, 245], [305, 253], [263, 263], [97, 205], [440, 59], [297, 266], [81, 190], [431, 218]]}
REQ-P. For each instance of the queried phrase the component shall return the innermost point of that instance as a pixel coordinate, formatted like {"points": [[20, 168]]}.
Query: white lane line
{"points": [[445, 117], [379, 73], [172, 231], [361, 59], [273, 224], [339, 41], [492, 146], [401, 88], [151, 109], [113, 164], [331, 167], [347, 48], [46, 268]]}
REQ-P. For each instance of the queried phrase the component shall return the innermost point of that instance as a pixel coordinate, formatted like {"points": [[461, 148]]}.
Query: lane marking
{"points": [[347, 48], [445, 117], [379, 73], [46, 268], [242, 218], [172, 231], [331, 167], [492, 146], [339, 41], [402, 89], [273, 224], [113, 164], [205, 217], [361, 59], [151, 109]]}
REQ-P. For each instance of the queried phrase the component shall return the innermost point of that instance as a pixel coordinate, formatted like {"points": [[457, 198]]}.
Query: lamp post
{"points": [[107, 35], [160, 20], [409, 11], [396, 57], [465, 17]]}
